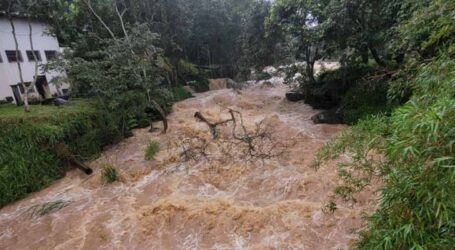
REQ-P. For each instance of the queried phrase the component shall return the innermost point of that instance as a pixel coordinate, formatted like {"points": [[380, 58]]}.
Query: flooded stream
{"points": [[168, 203]]}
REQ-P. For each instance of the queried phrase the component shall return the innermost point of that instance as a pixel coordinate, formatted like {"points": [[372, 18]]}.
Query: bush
{"points": [[200, 85], [186, 70], [33, 147], [263, 76], [418, 199], [125, 109], [108, 174], [152, 149], [331, 86], [417, 204], [364, 99], [179, 94]]}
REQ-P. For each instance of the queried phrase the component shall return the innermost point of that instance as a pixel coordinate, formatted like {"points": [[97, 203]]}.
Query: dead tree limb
{"points": [[243, 143], [162, 114], [212, 126]]}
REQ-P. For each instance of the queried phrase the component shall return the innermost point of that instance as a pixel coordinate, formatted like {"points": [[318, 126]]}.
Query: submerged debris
{"points": [[47, 208], [199, 192]]}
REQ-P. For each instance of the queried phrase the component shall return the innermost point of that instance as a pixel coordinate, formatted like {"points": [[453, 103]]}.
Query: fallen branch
{"points": [[162, 114], [212, 126], [257, 143]]}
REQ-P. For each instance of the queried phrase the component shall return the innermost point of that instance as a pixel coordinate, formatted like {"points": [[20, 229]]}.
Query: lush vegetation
{"points": [[395, 86], [132, 59], [35, 147], [108, 174], [152, 149], [418, 170]]}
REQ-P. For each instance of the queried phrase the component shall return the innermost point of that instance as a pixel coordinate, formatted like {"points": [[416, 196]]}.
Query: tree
{"points": [[256, 49], [302, 21], [367, 27], [23, 8], [132, 59]]}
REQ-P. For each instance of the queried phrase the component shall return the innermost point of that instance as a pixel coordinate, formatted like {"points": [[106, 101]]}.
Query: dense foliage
{"points": [[408, 141], [34, 148], [395, 85], [202, 32], [135, 54]]}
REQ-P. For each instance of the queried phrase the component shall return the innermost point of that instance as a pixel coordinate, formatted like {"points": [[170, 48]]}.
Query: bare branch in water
{"points": [[242, 143]]}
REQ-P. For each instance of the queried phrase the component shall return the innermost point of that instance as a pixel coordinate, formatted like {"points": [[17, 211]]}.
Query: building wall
{"points": [[9, 73]]}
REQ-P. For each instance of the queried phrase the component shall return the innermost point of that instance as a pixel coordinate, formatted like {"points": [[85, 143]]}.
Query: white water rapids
{"points": [[169, 204]]}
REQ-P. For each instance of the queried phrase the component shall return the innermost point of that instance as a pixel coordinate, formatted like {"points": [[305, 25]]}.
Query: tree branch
{"points": [[89, 5]]}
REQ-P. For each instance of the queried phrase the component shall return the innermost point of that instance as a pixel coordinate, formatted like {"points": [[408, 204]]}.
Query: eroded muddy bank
{"points": [[224, 204]]}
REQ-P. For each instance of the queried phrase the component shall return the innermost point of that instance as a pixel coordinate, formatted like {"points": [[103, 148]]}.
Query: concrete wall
{"points": [[9, 73]]}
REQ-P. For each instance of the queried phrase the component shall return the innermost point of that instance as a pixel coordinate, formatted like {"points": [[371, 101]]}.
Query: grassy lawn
{"points": [[44, 112]]}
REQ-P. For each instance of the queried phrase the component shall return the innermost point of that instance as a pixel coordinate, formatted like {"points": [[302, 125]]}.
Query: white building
{"points": [[46, 47]]}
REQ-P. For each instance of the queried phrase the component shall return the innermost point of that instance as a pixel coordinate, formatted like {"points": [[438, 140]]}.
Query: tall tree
{"points": [[23, 8], [302, 21]]}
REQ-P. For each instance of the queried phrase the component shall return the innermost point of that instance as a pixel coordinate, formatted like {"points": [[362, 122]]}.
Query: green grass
{"points": [[108, 174], [33, 146], [44, 112], [47, 208], [152, 149]]}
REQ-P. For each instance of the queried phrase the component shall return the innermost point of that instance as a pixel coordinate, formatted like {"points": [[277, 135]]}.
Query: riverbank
{"points": [[219, 202], [34, 146]]}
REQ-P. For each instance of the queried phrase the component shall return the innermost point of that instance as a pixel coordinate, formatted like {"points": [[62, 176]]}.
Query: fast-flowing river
{"points": [[168, 203]]}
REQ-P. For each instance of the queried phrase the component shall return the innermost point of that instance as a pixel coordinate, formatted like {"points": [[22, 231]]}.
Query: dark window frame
{"points": [[50, 54], [30, 55], [14, 58]]}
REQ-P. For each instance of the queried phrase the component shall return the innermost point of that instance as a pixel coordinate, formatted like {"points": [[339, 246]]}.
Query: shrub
{"points": [[152, 149], [108, 173], [125, 109], [179, 94], [364, 99], [200, 85], [417, 204], [187, 70], [263, 76], [34, 146], [330, 87]]}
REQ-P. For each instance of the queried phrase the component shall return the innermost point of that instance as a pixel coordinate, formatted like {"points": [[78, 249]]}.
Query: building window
{"points": [[50, 54], [1, 60], [30, 56], [12, 56]]}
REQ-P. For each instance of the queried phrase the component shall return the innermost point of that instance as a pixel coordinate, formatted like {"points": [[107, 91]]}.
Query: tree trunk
{"points": [[310, 71], [162, 114], [89, 5], [364, 54], [59, 90], [376, 57], [35, 78], [19, 67]]}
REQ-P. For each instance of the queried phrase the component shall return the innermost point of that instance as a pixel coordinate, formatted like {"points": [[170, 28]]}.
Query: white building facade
{"points": [[46, 48]]}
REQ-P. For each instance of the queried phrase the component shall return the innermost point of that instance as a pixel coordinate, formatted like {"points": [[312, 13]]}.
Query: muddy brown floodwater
{"points": [[167, 203]]}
